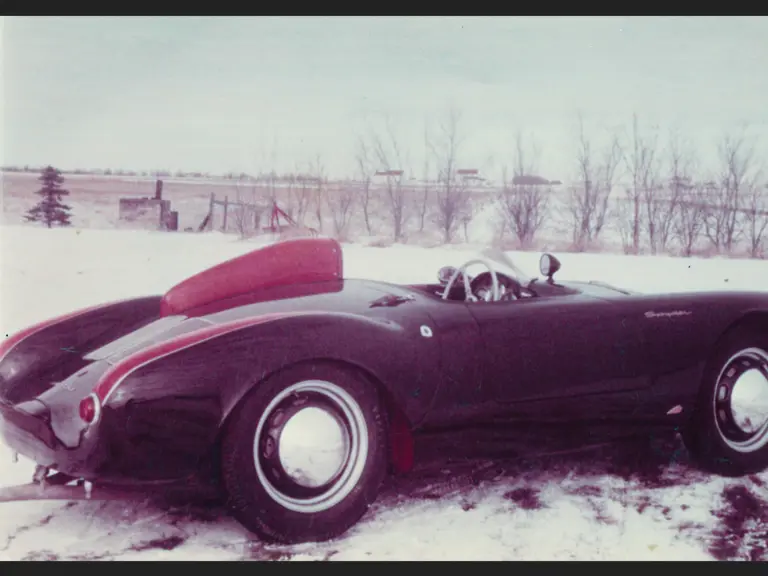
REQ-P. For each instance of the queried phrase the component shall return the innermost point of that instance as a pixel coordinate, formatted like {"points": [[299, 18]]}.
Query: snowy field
{"points": [[642, 502]]}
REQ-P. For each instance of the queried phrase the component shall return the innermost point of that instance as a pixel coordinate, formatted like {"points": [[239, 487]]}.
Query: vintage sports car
{"points": [[302, 389]]}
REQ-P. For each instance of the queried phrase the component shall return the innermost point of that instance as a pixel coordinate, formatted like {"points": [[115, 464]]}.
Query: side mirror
{"points": [[445, 273], [548, 265]]}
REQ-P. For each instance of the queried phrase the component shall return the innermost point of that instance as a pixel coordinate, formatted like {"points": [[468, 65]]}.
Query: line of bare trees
{"points": [[648, 192]]}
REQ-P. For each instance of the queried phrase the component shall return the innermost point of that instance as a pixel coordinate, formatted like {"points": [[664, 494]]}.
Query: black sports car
{"points": [[301, 389]]}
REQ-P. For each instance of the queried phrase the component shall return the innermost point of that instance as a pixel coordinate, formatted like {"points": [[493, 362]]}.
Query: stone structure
{"points": [[150, 213]]}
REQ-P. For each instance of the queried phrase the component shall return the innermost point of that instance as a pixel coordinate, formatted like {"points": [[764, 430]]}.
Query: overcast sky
{"points": [[219, 94]]}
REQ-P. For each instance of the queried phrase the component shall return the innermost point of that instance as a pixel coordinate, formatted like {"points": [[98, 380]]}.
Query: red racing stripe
{"points": [[113, 377]]}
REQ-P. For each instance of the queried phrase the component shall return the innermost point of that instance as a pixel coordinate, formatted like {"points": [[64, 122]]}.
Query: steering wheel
{"points": [[507, 282], [461, 271]]}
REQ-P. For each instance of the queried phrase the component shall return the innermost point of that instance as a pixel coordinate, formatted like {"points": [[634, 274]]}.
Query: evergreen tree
{"points": [[50, 209]]}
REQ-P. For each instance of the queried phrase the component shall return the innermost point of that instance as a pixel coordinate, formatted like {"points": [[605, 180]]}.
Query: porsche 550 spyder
{"points": [[303, 389]]}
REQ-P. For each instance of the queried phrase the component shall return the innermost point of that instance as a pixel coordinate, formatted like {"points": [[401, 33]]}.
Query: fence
{"points": [[245, 219]]}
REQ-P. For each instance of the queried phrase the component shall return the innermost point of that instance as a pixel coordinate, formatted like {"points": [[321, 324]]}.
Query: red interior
{"points": [[298, 261]]}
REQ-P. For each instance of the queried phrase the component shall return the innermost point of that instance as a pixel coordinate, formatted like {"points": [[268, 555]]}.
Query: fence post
{"points": [[226, 209]]}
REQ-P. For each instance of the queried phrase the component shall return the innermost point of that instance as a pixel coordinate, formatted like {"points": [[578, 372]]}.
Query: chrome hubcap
{"points": [[311, 446], [741, 401]]}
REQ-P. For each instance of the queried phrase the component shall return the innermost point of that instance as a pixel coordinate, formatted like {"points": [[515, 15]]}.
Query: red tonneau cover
{"points": [[298, 261]]}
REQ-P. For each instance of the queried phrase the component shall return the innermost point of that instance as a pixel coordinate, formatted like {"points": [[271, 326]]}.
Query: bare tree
{"points": [[390, 158], [271, 186], [239, 214], [299, 195], [640, 161], [365, 170], [341, 203], [466, 218], [588, 201], [287, 198], [687, 208], [423, 205], [260, 191], [248, 206], [722, 223], [756, 218], [320, 181], [524, 201], [271, 179], [660, 204], [691, 214], [451, 191]]}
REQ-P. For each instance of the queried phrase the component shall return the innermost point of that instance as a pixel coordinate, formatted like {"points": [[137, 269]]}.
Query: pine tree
{"points": [[50, 209]]}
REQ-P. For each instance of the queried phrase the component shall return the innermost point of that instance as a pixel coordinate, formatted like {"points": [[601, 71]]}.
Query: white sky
{"points": [[218, 94]]}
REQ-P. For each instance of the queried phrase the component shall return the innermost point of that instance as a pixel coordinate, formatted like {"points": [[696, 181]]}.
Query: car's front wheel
{"points": [[728, 433], [305, 453]]}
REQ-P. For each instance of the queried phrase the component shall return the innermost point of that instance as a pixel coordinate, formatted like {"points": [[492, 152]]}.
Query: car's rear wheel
{"points": [[305, 454], [728, 433]]}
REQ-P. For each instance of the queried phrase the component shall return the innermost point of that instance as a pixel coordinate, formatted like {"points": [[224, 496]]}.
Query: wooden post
{"points": [[226, 206]]}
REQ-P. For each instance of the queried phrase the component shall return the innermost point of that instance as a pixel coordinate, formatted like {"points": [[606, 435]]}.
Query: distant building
{"points": [[467, 174], [530, 180]]}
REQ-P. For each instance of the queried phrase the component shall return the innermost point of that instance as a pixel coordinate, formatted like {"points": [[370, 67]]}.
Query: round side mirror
{"points": [[548, 265]]}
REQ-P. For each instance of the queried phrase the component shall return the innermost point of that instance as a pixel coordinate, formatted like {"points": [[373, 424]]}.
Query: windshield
{"points": [[503, 263]]}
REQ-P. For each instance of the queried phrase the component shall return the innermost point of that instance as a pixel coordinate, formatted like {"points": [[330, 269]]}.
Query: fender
{"points": [[755, 317], [50, 351], [681, 346], [173, 403], [395, 354]]}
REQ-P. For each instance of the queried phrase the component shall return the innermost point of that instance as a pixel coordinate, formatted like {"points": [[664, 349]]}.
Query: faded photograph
{"points": [[384, 288]]}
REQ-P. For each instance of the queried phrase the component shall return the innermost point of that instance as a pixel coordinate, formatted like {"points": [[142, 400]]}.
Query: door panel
{"points": [[462, 393], [565, 346]]}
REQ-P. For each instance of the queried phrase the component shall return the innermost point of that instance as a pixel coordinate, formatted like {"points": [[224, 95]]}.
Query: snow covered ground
{"points": [[640, 502]]}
